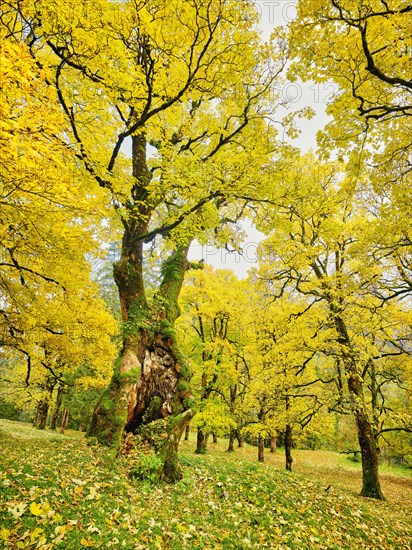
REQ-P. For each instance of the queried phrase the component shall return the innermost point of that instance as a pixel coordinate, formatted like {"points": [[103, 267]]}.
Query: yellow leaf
{"points": [[36, 509], [87, 543], [4, 534]]}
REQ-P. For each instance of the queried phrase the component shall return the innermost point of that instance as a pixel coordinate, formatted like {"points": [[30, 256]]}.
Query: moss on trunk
{"points": [[150, 389]]}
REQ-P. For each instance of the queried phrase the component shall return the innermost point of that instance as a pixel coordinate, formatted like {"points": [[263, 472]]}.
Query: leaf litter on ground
{"points": [[58, 492]]}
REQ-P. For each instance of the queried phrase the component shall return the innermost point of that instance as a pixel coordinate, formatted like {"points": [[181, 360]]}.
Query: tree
{"points": [[284, 388], [214, 304], [328, 259], [190, 80], [45, 287], [364, 48]]}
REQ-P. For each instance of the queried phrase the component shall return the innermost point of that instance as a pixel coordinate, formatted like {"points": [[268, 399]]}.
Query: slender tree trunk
{"points": [[261, 449], [214, 437], [187, 432], [201, 445], [65, 421], [232, 437], [367, 442], [288, 447], [272, 443], [56, 412], [370, 463], [239, 439]]}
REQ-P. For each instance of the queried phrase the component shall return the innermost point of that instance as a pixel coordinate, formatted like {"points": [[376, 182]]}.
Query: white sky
{"points": [[274, 13]]}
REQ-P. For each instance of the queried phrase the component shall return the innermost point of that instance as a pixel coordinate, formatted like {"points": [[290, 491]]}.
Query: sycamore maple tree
{"points": [[329, 259], [190, 80], [212, 330], [46, 232]]}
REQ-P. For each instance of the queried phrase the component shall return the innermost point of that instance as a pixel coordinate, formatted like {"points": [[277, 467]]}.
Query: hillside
{"points": [[57, 492]]}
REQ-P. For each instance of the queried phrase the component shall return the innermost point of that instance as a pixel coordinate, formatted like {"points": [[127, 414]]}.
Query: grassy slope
{"points": [[55, 492]]}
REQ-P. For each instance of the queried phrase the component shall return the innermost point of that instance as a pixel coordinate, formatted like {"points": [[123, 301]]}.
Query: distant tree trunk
{"points": [[239, 439], [272, 443], [288, 447], [232, 437], [65, 421], [201, 444], [261, 449], [42, 412], [187, 432], [214, 437], [56, 412], [261, 439]]}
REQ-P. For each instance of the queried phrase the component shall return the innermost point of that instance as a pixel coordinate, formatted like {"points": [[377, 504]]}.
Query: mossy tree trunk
{"points": [[201, 442], [149, 393], [348, 357]]}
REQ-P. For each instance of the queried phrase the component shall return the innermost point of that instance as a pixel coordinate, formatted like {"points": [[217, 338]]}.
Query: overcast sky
{"points": [[273, 14]]}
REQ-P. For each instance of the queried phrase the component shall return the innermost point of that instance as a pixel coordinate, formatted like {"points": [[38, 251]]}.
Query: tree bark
{"points": [[214, 437], [288, 447], [367, 442], [201, 445], [232, 437], [42, 412], [149, 394], [65, 421], [272, 443], [261, 449], [187, 432], [56, 412], [370, 463]]}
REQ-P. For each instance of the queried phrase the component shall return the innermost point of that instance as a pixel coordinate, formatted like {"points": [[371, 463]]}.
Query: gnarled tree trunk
{"points": [[149, 393]]}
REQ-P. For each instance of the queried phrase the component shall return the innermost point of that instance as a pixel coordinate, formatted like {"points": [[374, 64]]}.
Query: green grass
{"points": [[57, 492]]}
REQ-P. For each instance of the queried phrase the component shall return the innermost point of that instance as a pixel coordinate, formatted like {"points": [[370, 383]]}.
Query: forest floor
{"points": [[58, 492]]}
